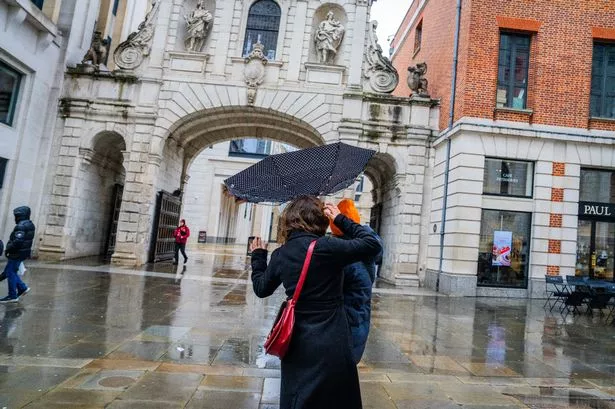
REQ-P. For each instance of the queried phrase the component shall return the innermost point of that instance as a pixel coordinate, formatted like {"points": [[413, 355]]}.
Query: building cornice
{"points": [[518, 129]]}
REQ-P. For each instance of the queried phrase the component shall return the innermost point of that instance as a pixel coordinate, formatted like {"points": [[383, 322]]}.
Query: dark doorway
{"points": [[166, 220], [116, 203]]}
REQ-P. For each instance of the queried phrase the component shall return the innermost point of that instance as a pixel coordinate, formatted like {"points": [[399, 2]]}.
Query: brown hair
{"points": [[305, 213]]}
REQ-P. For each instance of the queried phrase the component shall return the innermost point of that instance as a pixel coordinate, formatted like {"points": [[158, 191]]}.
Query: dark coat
{"points": [[19, 246], [358, 280], [318, 371]]}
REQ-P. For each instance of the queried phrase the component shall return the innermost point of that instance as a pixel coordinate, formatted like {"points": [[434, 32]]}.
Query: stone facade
{"points": [[35, 45], [177, 103]]}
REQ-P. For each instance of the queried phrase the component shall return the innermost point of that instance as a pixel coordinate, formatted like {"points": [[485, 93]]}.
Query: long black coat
{"points": [[318, 371]]}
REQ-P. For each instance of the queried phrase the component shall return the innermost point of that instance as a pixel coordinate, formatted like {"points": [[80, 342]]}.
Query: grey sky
{"points": [[389, 14]]}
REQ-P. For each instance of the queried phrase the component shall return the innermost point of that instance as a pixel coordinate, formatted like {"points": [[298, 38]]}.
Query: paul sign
{"points": [[597, 210]]}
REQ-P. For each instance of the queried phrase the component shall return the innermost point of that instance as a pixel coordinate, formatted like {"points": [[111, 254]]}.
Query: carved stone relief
{"points": [[417, 81], [197, 27], [382, 76], [328, 37], [130, 54], [254, 70]]}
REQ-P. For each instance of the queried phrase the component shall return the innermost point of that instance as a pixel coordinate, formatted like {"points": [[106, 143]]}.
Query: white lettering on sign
{"points": [[597, 210]]}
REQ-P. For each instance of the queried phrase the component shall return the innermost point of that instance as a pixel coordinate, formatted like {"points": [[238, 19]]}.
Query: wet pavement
{"points": [[93, 336]]}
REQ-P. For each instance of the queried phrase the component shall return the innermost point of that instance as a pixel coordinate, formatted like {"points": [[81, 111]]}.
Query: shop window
{"points": [[418, 36], [508, 177], [602, 100], [513, 67], [250, 147], [9, 92], [263, 25], [597, 186], [504, 249]]}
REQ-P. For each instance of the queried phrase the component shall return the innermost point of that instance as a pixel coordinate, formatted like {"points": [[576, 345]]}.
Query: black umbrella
{"points": [[314, 171]]}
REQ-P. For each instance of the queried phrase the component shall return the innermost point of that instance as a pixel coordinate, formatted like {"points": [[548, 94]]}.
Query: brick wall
{"points": [[436, 50], [559, 80]]}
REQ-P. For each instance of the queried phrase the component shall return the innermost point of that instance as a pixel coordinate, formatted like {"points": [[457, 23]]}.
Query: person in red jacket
{"points": [[181, 237]]}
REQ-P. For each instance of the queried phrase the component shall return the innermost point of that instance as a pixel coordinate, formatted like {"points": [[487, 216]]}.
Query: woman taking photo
{"points": [[318, 371]]}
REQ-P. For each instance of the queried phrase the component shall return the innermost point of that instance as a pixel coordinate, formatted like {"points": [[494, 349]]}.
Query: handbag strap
{"points": [[306, 266]]}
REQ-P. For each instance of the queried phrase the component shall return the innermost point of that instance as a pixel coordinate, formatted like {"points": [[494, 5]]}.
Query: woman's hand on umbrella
{"points": [[331, 211], [258, 244]]}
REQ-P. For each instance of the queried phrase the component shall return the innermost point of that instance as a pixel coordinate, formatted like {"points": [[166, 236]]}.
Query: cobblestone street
{"points": [[94, 336]]}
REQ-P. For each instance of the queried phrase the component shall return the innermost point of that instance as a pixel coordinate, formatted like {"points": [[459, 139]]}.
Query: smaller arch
{"points": [[381, 169], [98, 130]]}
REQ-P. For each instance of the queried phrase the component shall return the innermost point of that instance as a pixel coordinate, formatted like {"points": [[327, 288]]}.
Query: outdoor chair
{"points": [[557, 291], [578, 293]]}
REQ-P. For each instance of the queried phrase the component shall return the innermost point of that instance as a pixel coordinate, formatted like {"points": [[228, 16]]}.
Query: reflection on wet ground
{"points": [[94, 336]]}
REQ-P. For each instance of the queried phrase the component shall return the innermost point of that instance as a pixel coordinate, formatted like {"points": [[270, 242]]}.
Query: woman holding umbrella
{"points": [[318, 371]]}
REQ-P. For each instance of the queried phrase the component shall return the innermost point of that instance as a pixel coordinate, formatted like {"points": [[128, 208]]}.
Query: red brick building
{"points": [[561, 38], [524, 170]]}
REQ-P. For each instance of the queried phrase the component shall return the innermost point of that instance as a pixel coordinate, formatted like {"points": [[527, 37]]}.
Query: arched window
{"points": [[263, 24]]}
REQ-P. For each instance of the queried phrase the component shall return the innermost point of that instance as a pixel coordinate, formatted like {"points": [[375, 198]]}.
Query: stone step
{"points": [[407, 280]]}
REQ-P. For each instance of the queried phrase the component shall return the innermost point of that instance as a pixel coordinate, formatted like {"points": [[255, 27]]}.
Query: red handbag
{"points": [[279, 338]]}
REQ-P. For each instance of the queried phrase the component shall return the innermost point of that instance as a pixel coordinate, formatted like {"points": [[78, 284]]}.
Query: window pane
{"points": [[508, 177], [504, 249], [597, 186], [513, 63], [9, 88], [38, 3], [602, 101], [250, 147], [263, 25]]}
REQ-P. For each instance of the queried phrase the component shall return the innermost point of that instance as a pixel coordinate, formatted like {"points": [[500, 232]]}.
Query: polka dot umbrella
{"points": [[318, 171]]}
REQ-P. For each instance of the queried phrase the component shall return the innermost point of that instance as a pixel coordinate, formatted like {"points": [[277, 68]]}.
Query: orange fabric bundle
{"points": [[348, 209]]}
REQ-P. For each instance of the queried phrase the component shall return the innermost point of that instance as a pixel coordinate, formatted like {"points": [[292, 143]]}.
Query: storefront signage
{"points": [[597, 210], [502, 244]]}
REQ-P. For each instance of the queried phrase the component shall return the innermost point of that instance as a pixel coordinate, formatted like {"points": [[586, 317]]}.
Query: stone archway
{"points": [[82, 210], [185, 139]]}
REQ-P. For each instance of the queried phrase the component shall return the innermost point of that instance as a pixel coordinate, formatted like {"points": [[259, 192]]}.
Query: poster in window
{"points": [[502, 244]]}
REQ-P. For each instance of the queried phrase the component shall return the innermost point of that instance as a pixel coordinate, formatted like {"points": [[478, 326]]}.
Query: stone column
{"points": [[70, 158], [135, 224], [359, 28]]}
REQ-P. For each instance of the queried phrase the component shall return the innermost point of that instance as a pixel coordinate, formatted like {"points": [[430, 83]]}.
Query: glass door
{"points": [[604, 251], [584, 251]]}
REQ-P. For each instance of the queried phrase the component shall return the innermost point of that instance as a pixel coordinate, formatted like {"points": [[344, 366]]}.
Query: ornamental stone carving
{"points": [[382, 76], [254, 71], [328, 38], [197, 27], [97, 52], [417, 81], [130, 54]]}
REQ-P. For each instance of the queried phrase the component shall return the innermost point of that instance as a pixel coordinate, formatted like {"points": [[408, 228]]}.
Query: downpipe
{"points": [[451, 118]]}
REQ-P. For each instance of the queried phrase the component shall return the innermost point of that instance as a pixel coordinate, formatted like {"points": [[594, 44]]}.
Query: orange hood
{"points": [[348, 209]]}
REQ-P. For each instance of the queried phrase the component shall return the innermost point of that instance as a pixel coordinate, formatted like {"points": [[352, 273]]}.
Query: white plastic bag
{"points": [[22, 269]]}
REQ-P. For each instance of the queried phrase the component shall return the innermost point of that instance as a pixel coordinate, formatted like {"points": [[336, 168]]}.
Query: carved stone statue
{"points": [[254, 71], [197, 27], [328, 37], [97, 52], [130, 54], [417, 81], [383, 77]]}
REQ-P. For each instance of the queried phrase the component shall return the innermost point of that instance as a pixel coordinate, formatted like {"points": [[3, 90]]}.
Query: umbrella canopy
{"points": [[315, 171]]}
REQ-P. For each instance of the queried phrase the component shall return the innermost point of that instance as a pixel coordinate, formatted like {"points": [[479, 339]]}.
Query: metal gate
{"points": [[166, 220], [118, 190]]}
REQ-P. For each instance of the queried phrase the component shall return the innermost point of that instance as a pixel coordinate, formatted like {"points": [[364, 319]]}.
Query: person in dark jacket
{"points": [[181, 235], [318, 371], [359, 278], [18, 248]]}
